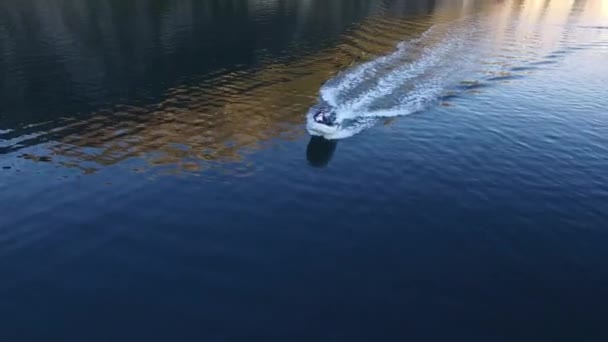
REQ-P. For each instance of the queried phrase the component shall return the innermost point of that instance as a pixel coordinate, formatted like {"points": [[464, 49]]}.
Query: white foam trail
{"points": [[404, 82], [353, 78]]}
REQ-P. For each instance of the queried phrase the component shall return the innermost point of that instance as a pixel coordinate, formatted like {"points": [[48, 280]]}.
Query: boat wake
{"points": [[406, 81]]}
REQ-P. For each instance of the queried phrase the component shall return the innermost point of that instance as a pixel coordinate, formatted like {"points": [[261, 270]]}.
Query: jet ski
{"points": [[323, 120]]}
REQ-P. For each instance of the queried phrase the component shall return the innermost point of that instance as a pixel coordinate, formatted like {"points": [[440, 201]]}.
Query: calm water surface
{"points": [[158, 180]]}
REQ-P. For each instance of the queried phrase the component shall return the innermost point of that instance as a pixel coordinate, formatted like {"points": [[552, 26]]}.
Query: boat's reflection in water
{"points": [[320, 151]]}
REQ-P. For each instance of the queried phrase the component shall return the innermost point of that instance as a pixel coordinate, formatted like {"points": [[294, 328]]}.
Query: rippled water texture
{"points": [[160, 177]]}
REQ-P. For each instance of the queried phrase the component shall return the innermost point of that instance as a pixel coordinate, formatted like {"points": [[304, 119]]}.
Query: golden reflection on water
{"points": [[597, 12], [220, 117]]}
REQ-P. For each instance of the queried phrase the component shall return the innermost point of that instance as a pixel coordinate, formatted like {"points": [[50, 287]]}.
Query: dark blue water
{"points": [[158, 180]]}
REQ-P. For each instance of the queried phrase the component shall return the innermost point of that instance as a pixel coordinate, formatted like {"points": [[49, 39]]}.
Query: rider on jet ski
{"points": [[325, 115]]}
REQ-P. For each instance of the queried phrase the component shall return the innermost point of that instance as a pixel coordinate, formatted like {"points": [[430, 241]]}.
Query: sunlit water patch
{"points": [[465, 54]]}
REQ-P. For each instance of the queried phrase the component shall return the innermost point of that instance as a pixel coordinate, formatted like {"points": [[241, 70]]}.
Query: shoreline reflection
{"points": [[175, 112]]}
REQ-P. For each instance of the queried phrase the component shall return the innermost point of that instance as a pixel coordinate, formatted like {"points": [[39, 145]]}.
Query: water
{"points": [[158, 180]]}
